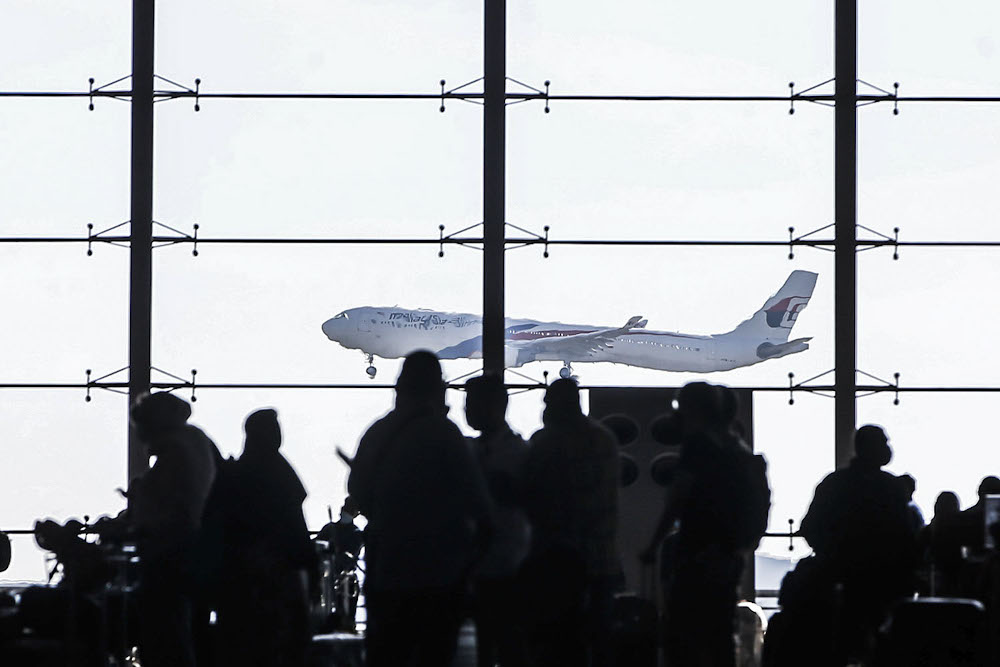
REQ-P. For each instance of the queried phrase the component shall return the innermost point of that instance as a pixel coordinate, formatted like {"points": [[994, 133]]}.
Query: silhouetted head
{"points": [[871, 446], [562, 401], [159, 414], [263, 433], [485, 402], [946, 505], [989, 486], [701, 407], [420, 380], [908, 484], [350, 508]]}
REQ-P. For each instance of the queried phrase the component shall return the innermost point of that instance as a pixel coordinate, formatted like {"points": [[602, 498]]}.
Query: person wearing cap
{"points": [[165, 507], [571, 499], [429, 519], [860, 527]]}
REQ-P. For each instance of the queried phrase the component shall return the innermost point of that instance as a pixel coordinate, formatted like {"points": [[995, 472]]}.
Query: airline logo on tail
{"points": [[783, 314]]}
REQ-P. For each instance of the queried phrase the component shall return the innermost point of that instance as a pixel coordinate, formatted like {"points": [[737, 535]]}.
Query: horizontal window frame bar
{"points": [[456, 240], [163, 95]]}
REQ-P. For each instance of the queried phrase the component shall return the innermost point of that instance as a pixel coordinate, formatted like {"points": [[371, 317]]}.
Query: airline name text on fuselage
{"points": [[427, 320]]}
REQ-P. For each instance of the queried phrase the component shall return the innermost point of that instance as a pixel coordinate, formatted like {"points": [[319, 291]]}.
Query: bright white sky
{"points": [[626, 170]]}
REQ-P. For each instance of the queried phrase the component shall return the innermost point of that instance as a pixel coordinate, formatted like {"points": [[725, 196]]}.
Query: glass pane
{"points": [[69, 457], [66, 312], [58, 45], [927, 50], [255, 314], [318, 169], [64, 167], [644, 46], [670, 171], [319, 45], [927, 318], [931, 171]]}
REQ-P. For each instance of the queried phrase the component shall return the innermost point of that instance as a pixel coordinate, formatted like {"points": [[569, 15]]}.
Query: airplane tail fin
{"points": [[773, 322]]}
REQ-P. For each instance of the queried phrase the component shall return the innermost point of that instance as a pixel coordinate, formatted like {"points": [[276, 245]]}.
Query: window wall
{"points": [[252, 169]]}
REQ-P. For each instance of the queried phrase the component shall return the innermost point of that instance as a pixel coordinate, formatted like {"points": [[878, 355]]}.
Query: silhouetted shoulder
{"points": [[359, 481]]}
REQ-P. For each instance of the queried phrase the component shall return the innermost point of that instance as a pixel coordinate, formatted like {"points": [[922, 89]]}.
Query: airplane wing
{"points": [[577, 345]]}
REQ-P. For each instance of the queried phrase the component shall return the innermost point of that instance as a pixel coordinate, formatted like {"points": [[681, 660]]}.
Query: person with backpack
{"points": [[720, 499], [165, 508]]}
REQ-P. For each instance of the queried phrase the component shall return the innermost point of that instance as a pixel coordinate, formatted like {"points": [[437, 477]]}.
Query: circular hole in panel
{"points": [[662, 468], [625, 428], [666, 429], [628, 470]]}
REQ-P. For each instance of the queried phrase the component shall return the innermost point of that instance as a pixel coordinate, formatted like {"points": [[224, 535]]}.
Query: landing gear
{"points": [[371, 370], [566, 372]]}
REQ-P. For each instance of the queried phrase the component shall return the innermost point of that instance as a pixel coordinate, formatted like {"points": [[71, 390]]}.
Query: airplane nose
{"points": [[330, 328]]}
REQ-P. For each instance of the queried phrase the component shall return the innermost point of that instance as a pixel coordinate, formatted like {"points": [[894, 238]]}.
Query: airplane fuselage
{"points": [[395, 332]]}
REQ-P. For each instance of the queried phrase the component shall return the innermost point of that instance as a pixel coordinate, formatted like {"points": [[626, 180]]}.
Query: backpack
{"points": [[751, 501]]}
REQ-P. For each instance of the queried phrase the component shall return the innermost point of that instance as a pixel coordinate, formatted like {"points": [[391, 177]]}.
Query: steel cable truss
{"points": [[172, 90]]}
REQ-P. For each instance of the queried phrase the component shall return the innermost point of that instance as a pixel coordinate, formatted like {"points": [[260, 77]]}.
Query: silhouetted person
{"points": [[712, 485], [415, 479], [909, 486], [942, 546], [973, 520], [263, 615], [345, 542], [861, 529], [501, 454], [165, 509], [345, 538], [348, 542], [571, 498]]}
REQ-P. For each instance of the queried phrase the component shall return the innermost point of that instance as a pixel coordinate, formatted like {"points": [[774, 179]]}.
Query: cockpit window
{"points": [[342, 316]]}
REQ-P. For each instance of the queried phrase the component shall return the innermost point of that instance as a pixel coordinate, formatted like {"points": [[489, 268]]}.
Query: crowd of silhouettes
{"points": [[521, 537], [882, 588], [217, 537]]}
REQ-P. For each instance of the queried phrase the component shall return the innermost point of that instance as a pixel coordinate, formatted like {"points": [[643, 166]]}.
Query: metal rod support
{"points": [[494, 167], [141, 231], [845, 226]]}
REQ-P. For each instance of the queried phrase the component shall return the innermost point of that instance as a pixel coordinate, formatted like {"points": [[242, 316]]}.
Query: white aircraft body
{"points": [[395, 332]]}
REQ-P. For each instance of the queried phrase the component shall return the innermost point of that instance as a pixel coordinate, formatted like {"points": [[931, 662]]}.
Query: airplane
{"points": [[392, 333]]}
